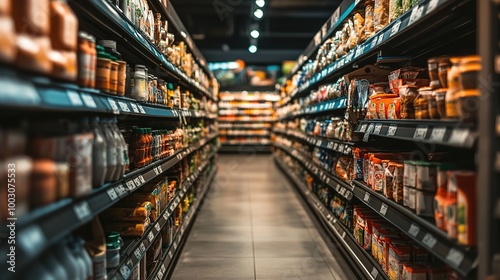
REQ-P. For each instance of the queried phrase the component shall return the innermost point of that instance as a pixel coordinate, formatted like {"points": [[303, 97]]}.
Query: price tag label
{"points": [[82, 210], [143, 247], [137, 253], [114, 107], [135, 109], [175, 245], [393, 128], [378, 128], [337, 188], [366, 198], [31, 238], [342, 191], [74, 98], [151, 236], [380, 39], [363, 128], [157, 225], [416, 14], [156, 171], [120, 190], [88, 100], [172, 207], [319, 143], [432, 5], [141, 178], [125, 271], [160, 274], [163, 268], [327, 180], [130, 185], [374, 273], [170, 254], [160, 170], [179, 156], [455, 257], [459, 136], [374, 43], [141, 109], [383, 209], [370, 129], [112, 194], [429, 241], [343, 235], [137, 182], [166, 215], [395, 28], [414, 230], [420, 133], [124, 106], [438, 134], [359, 51]]}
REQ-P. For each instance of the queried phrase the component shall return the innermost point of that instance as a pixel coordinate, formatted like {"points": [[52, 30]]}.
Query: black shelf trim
{"points": [[328, 106], [320, 142]]}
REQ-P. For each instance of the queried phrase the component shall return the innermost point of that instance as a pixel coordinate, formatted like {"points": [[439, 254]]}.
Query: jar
{"points": [[122, 77], [150, 89], [433, 73], [469, 69], [453, 88], [443, 68], [421, 103], [140, 87], [424, 203], [7, 33], [468, 104], [93, 61], [43, 188], [440, 96], [113, 80], [113, 246], [84, 58], [63, 25], [433, 109], [103, 74], [62, 176], [408, 93]]}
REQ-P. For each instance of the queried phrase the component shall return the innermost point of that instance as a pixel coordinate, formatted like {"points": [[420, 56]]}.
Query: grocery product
{"points": [[424, 203], [408, 94], [399, 253], [395, 9], [103, 70], [421, 103], [453, 88], [450, 205], [380, 14], [7, 33], [466, 206], [369, 18]]}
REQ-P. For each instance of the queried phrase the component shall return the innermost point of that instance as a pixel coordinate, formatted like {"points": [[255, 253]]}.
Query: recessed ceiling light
{"points": [[252, 49], [260, 3], [255, 34], [258, 13]]}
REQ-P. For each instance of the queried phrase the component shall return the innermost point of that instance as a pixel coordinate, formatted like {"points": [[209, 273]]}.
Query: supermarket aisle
{"points": [[253, 226]]}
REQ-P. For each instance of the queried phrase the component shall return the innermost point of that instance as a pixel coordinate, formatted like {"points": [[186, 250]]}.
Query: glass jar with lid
{"points": [[421, 103]]}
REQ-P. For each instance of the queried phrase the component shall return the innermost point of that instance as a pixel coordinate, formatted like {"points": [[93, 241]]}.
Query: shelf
{"points": [[166, 267], [325, 143], [103, 15], [341, 187], [244, 126], [222, 133], [460, 258], [135, 252], [265, 143], [246, 121], [368, 266], [41, 94], [401, 29], [320, 108], [255, 98], [40, 229], [247, 106], [447, 133], [221, 114]]}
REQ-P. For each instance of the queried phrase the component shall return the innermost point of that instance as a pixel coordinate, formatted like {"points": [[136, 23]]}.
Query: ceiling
{"points": [[221, 28]]}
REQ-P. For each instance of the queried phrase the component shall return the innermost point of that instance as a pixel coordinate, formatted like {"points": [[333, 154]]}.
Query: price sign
{"points": [[160, 170], [74, 98], [112, 194], [130, 185], [335, 146], [380, 39], [125, 271], [374, 273], [438, 134], [370, 129], [135, 109], [359, 51], [137, 253], [366, 198], [143, 247], [170, 254], [82, 210], [429, 240], [88, 100], [158, 227], [432, 5], [383, 209], [166, 214], [459, 136], [163, 268], [342, 191], [343, 235], [416, 14], [374, 43], [141, 178], [120, 190], [337, 188], [31, 238], [363, 128], [378, 128], [395, 28], [137, 182], [414, 230], [114, 107], [327, 181], [455, 257], [156, 171], [124, 106], [420, 133], [393, 128], [179, 156], [141, 109], [319, 143]]}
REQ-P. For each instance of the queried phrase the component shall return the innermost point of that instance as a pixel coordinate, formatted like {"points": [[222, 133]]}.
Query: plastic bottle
{"points": [[113, 246], [39, 272], [86, 258], [64, 255], [119, 150], [93, 60], [82, 266], [99, 155], [110, 151], [84, 59], [55, 266], [140, 85]]}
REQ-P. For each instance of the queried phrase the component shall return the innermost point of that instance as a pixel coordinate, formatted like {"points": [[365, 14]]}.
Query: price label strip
{"points": [[395, 28], [89, 100], [114, 107], [416, 14], [414, 230], [377, 129], [112, 194], [393, 128], [429, 240], [437, 134], [141, 109], [74, 98], [383, 209], [420, 133], [135, 109], [82, 210], [459, 136], [455, 257]]}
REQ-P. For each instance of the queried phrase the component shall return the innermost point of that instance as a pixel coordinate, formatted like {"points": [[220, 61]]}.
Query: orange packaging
{"points": [[7, 33], [377, 174], [32, 17], [64, 26], [394, 109], [466, 206], [399, 253]]}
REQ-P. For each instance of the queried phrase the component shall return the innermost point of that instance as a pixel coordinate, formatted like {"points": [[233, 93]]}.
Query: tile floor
{"points": [[253, 226]]}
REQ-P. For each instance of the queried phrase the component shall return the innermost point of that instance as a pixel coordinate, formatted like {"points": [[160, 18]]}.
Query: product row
{"points": [[246, 119], [396, 253], [244, 140], [440, 187], [254, 111], [246, 104], [327, 127], [52, 160], [263, 132]]}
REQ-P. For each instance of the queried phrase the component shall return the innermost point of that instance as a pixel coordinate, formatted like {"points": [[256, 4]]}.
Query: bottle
{"points": [[170, 95], [83, 273], [441, 195], [85, 257], [120, 159], [140, 86], [113, 246], [177, 97], [93, 60], [54, 266], [99, 155], [84, 57], [39, 272], [451, 206], [122, 77], [111, 151], [72, 267], [158, 27]]}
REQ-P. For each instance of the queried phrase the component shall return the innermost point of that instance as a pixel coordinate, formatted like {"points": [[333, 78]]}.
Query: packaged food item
{"points": [[451, 205], [433, 106], [128, 214], [410, 173], [468, 95], [440, 96], [453, 88], [380, 14], [369, 24], [466, 206], [113, 77], [140, 83], [421, 103], [426, 176], [441, 195], [398, 184], [378, 173], [394, 109], [414, 272], [128, 229], [7, 33], [432, 65], [80, 162], [103, 70], [399, 253], [408, 94], [388, 180], [409, 197], [424, 203], [84, 59], [95, 244], [395, 9], [443, 68], [359, 27]]}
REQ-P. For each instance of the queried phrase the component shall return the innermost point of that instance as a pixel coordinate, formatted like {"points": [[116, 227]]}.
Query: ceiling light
{"points": [[255, 34], [258, 13], [252, 49], [260, 3]]}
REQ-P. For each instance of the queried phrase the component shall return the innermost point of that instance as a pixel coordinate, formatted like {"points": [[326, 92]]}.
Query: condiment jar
{"points": [[140, 87], [408, 93], [421, 103], [443, 68], [469, 71], [433, 108], [468, 104], [93, 60], [84, 59], [453, 88], [440, 96], [43, 188], [122, 77], [468, 96], [113, 78], [433, 73], [103, 73]]}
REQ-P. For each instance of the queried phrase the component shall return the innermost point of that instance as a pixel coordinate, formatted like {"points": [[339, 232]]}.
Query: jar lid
{"points": [[170, 86], [83, 35], [108, 44], [114, 59]]}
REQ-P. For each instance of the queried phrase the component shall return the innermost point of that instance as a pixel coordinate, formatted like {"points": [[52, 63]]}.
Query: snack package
{"points": [[359, 27], [380, 15], [395, 9], [353, 35], [369, 28]]}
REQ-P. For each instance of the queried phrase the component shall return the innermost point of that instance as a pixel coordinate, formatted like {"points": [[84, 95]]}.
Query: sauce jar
{"points": [[122, 77], [469, 71], [432, 64], [84, 58], [453, 88], [440, 96], [468, 104], [113, 77], [103, 73], [408, 93], [43, 188], [433, 108], [443, 68], [421, 103]]}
